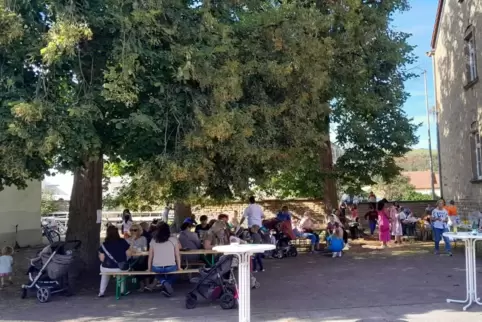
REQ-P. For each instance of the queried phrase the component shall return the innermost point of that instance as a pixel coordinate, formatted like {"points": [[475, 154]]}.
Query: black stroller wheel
{"points": [[191, 301], [227, 301], [278, 253], [293, 252], [43, 295], [23, 293]]}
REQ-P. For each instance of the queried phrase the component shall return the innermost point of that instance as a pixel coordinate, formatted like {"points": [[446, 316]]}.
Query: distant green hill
{"points": [[418, 160]]}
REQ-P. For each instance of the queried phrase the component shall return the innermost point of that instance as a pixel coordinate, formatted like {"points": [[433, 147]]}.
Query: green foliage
{"points": [[201, 99], [399, 188], [418, 160], [417, 196], [47, 204]]}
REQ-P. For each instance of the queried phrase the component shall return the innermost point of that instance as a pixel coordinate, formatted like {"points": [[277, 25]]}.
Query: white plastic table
{"points": [[470, 267], [244, 252]]}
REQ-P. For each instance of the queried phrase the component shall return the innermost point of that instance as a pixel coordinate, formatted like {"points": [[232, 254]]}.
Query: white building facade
{"points": [[20, 216]]}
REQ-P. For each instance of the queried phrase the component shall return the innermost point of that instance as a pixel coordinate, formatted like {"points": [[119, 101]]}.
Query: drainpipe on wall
{"points": [[431, 54]]}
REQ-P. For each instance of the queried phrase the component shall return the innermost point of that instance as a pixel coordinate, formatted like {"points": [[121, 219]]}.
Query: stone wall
{"points": [[271, 208], [297, 207]]}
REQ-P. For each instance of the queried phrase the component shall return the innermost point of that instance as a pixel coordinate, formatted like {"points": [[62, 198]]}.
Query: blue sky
{"points": [[419, 21]]}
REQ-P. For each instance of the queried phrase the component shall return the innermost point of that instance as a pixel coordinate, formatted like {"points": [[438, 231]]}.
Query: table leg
{"points": [[244, 277], [470, 276], [474, 270]]}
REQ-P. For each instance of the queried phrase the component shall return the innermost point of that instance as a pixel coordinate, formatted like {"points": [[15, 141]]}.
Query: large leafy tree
{"points": [[366, 95], [201, 96]]}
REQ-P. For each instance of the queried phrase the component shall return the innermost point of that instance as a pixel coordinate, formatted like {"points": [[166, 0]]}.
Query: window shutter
{"points": [[473, 157]]}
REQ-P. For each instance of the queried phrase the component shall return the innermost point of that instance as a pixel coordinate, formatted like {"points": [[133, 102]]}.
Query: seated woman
{"points": [[113, 251], [189, 240], [137, 241], [164, 257], [216, 235], [138, 244], [335, 241]]}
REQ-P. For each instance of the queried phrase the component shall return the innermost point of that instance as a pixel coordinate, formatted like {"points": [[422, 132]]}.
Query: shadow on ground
{"points": [[405, 283]]}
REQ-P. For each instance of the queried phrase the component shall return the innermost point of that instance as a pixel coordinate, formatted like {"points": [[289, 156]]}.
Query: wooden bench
{"points": [[121, 277], [302, 244]]}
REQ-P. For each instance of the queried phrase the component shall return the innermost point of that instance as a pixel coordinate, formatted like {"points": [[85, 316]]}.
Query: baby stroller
{"points": [[283, 233], [284, 247], [215, 283], [48, 271]]}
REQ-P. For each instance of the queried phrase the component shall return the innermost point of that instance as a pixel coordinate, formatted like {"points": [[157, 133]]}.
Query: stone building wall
{"points": [[459, 103]]}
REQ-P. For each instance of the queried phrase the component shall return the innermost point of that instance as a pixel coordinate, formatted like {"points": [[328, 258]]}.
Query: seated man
{"points": [[284, 214], [305, 228], [216, 235]]}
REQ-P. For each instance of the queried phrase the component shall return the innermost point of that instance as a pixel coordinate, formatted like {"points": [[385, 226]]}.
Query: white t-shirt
{"points": [[254, 214], [126, 226], [164, 253], [441, 214], [6, 262]]}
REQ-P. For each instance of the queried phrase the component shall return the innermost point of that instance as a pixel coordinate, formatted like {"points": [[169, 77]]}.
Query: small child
{"points": [[6, 262], [354, 212], [336, 241], [256, 239]]}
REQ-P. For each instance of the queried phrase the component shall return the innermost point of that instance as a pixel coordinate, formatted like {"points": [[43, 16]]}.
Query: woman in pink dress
{"points": [[383, 223]]}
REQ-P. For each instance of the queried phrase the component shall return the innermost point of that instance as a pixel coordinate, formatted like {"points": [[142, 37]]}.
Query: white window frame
{"points": [[478, 155], [471, 56]]}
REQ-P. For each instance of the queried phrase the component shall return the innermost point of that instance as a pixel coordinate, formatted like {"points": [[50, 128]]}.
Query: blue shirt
{"points": [[336, 244], [283, 217]]}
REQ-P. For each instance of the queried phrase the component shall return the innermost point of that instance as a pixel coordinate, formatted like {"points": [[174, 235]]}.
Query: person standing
{"points": [[383, 223], [126, 223], [440, 219], [371, 216], [453, 216], [253, 213]]}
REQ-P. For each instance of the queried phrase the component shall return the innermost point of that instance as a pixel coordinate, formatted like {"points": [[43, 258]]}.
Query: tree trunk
{"points": [[85, 201], [330, 198], [181, 212]]}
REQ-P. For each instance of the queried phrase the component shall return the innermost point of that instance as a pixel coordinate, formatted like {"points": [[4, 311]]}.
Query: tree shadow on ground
{"points": [[402, 283]]}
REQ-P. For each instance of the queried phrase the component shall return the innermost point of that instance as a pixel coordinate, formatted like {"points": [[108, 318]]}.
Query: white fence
{"points": [[61, 218]]}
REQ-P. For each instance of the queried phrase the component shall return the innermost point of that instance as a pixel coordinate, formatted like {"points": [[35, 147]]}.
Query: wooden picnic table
{"points": [[209, 253]]}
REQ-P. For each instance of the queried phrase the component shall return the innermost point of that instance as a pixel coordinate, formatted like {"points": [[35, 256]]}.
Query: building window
{"points": [[470, 58], [476, 151], [478, 157]]}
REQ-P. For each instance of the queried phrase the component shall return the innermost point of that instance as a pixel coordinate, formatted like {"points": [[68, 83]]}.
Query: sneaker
{"points": [[167, 289], [263, 270], [339, 254], [334, 255], [449, 254], [100, 295]]}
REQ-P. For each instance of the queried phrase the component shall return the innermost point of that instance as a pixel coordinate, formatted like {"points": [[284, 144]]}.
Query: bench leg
{"points": [[118, 287]]}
